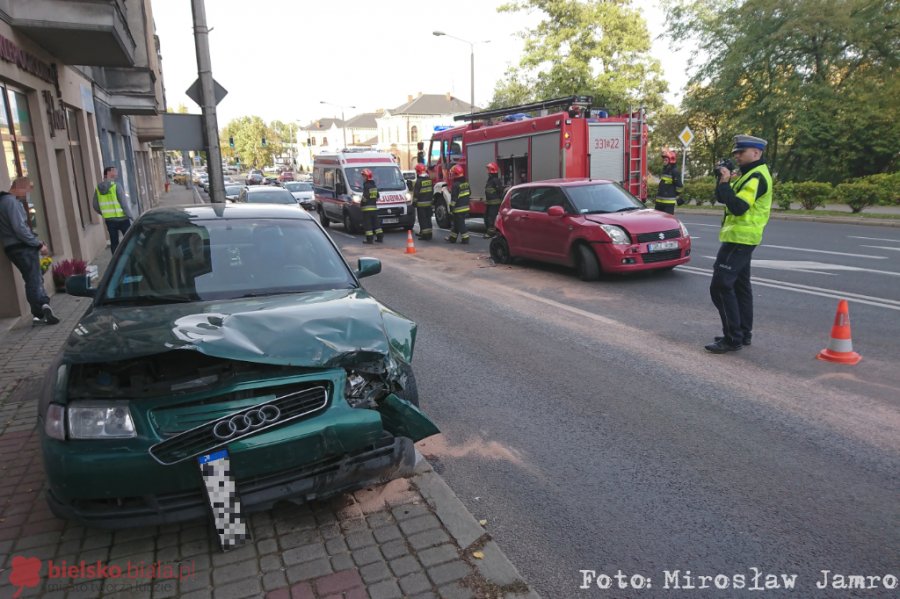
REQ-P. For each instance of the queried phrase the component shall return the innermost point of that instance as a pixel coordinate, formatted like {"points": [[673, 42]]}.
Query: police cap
{"points": [[748, 141]]}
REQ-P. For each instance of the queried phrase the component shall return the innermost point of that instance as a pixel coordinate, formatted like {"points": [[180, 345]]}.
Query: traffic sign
{"points": [[193, 92], [686, 137]]}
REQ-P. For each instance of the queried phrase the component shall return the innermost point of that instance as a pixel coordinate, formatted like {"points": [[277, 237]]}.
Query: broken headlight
{"points": [[364, 389], [100, 420]]}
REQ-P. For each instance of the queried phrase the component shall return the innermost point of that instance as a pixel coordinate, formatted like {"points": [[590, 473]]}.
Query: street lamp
{"points": [[471, 61], [343, 122]]}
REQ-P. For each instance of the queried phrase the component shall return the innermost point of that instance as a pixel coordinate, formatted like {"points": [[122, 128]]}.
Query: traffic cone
{"points": [[840, 347], [410, 244]]}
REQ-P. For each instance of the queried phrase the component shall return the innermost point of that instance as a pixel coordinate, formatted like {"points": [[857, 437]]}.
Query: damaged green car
{"points": [[226, 327]]}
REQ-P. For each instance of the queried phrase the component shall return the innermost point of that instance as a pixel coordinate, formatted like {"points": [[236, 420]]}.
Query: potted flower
{"points": [[65, 269], [46, 262]]}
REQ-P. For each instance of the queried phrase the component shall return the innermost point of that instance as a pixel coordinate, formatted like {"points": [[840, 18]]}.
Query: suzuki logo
{"points": [[662, 235], [240, 424]]}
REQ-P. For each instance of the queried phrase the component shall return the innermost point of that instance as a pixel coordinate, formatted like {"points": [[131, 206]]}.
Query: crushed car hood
{"points": [[313, 329], [646, 220]]}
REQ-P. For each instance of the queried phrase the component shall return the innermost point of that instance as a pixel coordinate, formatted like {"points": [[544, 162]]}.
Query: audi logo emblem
{"points": [[240, 424], [662, 235]]}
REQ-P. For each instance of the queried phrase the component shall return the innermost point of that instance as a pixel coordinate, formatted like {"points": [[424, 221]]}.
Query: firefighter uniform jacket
{"points": [[459, 196], [493, 190], [422, 192], [369, 200], [669, 185]]}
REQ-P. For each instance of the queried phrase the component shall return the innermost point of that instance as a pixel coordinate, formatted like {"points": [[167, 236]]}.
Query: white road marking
{"points": [[787, 247], [807, 266], [873, 238], [695, 237], [882, 247], [878, 302]]}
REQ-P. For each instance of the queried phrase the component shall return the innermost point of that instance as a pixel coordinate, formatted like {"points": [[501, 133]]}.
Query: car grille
{"points": [[661, 256], [645, 237], [238, 425]]}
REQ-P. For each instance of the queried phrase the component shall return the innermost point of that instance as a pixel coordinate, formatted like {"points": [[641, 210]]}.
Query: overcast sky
{"points": [[279, 59]]}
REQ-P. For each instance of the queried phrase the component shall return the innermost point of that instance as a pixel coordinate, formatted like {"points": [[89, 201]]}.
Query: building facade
{"points": [[401, 129]]}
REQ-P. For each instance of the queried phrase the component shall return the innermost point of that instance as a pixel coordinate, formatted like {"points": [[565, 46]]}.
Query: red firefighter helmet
{"points": [[493, 168], [669, 156], [366, 174], [456, 171], [420, 168]]}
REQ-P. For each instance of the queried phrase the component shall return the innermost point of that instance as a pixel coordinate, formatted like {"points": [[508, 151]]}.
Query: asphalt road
{"points": [[587, 425]]}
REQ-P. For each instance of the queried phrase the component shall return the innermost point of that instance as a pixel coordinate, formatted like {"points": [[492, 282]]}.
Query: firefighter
{"points": [[670, 186], [422, 198], [459, 206], [493, 195], [369, 207]]}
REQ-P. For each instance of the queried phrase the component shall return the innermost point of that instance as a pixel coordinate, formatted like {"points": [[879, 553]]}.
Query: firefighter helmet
{"points": [[456, 171], [669, 156], [366, 174], [420, 168], [493, 168]]}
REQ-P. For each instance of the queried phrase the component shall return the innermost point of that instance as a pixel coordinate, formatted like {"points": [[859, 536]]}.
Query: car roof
{"points": [[177, 214]]}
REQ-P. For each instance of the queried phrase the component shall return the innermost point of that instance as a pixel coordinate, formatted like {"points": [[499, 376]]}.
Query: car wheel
{"points": [[500, 250], [348, 224], [411, 392], [323, 219], [588, 267], [441, 214]]}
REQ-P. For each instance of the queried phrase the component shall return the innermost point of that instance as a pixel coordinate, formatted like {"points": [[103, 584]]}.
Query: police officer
{"points": [[459, 206], [422, 198], [369, 207], [670, 186], [748, 200], [493, 195]]}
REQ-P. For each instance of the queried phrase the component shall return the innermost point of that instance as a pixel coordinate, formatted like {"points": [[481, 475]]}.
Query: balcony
{"points": [[148, 128], [129, 91], [79, 32]]}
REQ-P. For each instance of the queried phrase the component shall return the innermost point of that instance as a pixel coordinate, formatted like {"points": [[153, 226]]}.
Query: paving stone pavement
{"points": [[406, 538]]}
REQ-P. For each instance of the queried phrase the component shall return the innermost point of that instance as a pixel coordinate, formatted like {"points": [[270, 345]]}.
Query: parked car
{"points": [[286, 176], [255, 177], [592, 225], [303, 193], [210, 317], [233, 192], [266, 195]]}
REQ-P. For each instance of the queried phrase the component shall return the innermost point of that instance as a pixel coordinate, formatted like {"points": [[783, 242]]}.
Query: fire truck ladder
{"points": [[636, 120], [578, 101]]}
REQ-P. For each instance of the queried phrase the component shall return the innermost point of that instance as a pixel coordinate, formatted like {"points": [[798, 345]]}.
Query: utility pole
{"points": [[208, 105]]}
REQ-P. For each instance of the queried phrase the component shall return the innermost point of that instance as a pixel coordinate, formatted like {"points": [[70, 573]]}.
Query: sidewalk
{"points": [[407, 538]]}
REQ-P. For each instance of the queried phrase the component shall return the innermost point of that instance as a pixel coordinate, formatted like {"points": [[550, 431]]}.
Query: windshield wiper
{"points": [[627, 209], [151, 299]]}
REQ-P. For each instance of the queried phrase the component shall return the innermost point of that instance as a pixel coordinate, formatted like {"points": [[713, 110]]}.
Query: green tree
{"points": [[248, 133], [595, 47]]}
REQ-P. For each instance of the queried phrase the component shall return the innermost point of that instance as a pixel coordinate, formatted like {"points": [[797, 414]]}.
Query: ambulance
{"points": [[338, 183]]}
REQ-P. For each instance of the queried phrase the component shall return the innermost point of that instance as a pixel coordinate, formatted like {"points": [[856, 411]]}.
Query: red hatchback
{"points": [[594, 226]]}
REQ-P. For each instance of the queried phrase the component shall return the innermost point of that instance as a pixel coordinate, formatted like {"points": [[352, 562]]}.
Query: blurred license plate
{"points": [[662, 246], [390, 221]]}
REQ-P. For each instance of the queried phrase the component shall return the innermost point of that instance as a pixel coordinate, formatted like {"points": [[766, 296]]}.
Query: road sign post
{"points": [[686, 136]]}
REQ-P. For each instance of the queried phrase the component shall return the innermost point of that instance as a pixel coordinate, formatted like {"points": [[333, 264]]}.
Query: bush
{"points": [[65, 269], [859, 195], [888, 185], [783, 194], [700, 190], [812, 194], [651, 191]]}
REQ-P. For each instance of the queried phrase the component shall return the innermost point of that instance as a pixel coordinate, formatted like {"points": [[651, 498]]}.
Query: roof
{"points": [[435, 104], [365, 120], [324, 123], [169, 214]]}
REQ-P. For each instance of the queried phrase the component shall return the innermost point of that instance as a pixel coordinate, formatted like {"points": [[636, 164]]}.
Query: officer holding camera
{"points": [[748, 200]]}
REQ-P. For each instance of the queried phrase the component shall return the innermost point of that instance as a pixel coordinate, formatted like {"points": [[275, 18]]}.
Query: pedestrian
{"points": [[23, 248], [493, 195], [422, 198], [369, 207], [113, 206], [459, 206], [748, 200], [670, 186]]}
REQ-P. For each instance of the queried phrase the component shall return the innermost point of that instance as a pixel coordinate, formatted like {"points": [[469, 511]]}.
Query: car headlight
{"points": [[356, 197], [100, 420], [684, 231], [409, 197], [616, 234]]}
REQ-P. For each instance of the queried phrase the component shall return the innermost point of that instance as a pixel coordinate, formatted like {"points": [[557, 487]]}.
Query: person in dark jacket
{"points": [[493, 195], [670, 185], [369, 207], [422, 199], [113, 206], [24, 249], [459, 206]]}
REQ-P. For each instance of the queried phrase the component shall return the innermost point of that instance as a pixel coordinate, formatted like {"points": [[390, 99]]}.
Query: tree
{"points": [[248, 133], [593, 47]]}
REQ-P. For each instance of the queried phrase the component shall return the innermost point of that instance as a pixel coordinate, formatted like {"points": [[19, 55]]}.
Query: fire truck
{"points": [[559, 138]]}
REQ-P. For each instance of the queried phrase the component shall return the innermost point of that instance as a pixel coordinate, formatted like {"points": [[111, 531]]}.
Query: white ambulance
{"points": [[338, 182]]}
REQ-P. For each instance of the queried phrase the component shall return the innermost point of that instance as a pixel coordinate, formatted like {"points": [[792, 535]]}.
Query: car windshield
{"points": [[223, 259], [387, 178], [271, 196], [601, 198], [298, 186]]}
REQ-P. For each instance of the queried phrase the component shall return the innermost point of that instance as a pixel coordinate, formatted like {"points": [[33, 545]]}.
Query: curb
{"points": [[778, 215]]}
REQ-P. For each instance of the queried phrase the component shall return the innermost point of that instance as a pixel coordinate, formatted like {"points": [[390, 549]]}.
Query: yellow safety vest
{"points": [[747, 229], [109, 203]]}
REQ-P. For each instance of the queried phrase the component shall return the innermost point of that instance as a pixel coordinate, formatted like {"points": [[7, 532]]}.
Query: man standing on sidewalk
{"points": [[23, 248], [112, 206]]}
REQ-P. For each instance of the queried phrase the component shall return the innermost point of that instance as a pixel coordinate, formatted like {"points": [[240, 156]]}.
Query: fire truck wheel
{"points": [[441, 214], [500, 250], [323, 219], [588, 267]]}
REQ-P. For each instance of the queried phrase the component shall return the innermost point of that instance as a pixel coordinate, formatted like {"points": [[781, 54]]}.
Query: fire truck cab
{"points": [[560, 138]]}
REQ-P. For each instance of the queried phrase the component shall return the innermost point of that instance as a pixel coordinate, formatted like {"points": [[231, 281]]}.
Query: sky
{"points": [[280, 59]]}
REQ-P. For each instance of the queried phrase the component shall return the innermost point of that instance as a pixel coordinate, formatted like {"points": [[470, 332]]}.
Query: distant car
{"points": [[256, 177], [266, 195], [595, 226], [233, 192], [271, 181], [303, 193], [410, 177], [286, 176]]}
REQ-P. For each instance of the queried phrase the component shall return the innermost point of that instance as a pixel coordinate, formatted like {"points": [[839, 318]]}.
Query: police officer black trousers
{"points": [[731, 292]]}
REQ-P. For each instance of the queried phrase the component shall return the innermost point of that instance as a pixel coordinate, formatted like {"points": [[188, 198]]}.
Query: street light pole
{"points": [[343, 122], [471, 62]]}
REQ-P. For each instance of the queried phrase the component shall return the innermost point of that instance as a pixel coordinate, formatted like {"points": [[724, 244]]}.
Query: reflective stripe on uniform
{"points": [[109, 203], [747, 229]]}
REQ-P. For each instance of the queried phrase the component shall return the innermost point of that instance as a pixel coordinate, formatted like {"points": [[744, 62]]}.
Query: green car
{"points": [[226, 327]]}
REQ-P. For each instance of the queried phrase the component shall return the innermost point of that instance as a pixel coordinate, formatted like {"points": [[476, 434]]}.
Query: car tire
{"points": [[323, 219], [348, 224], [441, 214], [500, 250], [411, 392], [588, 266]]}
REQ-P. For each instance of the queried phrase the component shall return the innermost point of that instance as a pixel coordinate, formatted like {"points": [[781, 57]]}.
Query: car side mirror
{"points": [[556, 211], [368, 267], [80, 285]]}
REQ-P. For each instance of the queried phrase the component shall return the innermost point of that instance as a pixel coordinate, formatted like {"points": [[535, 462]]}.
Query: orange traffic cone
{"points": [[410, 244], [840, 347]]}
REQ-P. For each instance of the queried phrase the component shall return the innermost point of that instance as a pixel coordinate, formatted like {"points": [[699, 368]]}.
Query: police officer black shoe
{"points": [[722, 347], [746, 341]]}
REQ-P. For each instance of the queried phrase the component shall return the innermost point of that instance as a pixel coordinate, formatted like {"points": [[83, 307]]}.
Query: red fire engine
{"points": [[572, 142]]}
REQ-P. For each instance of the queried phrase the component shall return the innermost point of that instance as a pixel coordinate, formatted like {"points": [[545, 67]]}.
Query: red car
{"points": [[594, 226], [285, 176]]}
